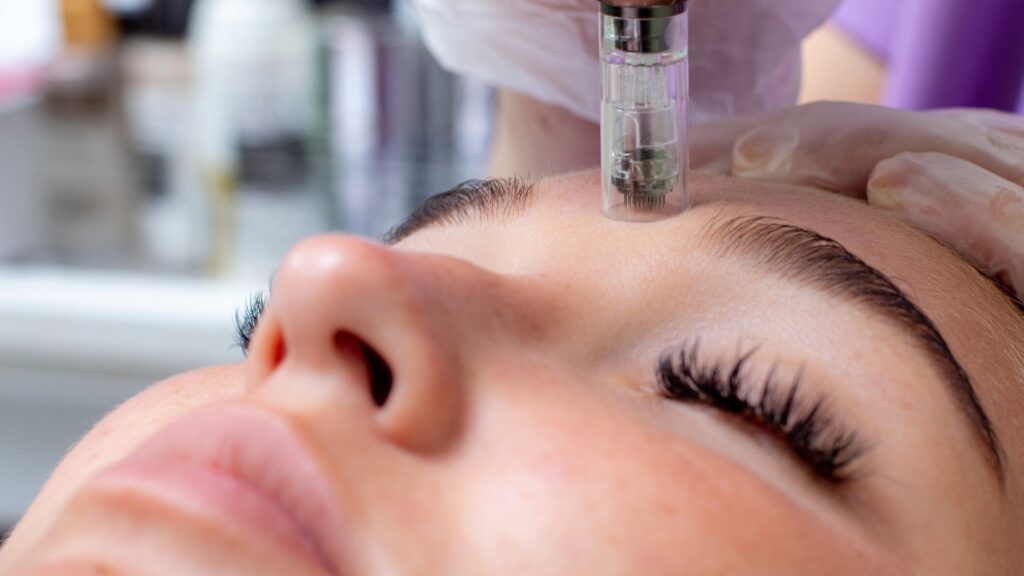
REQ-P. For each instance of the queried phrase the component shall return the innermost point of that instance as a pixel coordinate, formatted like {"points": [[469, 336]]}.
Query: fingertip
{"points": [[766, 150], [888, 181], [916, 177]]}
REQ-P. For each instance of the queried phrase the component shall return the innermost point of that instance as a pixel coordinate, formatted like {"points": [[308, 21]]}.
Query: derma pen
{"points": [[644, 118]]}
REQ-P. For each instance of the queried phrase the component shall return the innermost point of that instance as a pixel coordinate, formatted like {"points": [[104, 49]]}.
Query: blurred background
{"points": [[157, 159]]}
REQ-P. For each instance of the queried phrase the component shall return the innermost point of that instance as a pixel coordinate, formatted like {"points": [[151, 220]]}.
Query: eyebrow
{"points": [[772, 244], [490, 199]]}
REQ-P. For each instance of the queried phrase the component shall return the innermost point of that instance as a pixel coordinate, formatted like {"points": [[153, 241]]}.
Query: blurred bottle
{"points": [[173, 225], [90, 192], [83, 77], [402, 127], [29, 39], [167, 19], [123, 7], [87, 25], [157, 77], [254, 103]]}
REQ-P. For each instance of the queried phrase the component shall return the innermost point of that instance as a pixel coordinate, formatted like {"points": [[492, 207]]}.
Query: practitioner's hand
{"points": [[958, 174], [976, 212]]}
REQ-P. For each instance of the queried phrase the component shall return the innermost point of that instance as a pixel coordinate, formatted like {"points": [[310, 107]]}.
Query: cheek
{"points": [[591, 487]]}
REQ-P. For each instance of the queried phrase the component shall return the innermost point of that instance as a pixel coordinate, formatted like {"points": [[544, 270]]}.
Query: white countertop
{"points": [[73, 344]]}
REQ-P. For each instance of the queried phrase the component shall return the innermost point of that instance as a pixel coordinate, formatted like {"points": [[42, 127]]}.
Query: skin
{"points": [[522, 436], [836, 67], [534, 138]]}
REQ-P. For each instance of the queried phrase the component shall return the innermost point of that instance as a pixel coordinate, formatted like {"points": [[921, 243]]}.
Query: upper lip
{"points": [[263, 450]]}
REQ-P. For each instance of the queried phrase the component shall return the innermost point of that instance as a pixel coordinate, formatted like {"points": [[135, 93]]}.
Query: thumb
{"points": [[973, 211], [768, 153], [712, 143]]}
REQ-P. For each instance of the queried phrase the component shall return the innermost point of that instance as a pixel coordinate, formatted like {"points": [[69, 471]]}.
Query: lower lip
{"points": [[215, 497]]}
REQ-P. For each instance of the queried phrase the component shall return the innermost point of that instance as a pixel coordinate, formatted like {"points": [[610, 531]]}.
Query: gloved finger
{"points": [[711, 144], [973, 211], [836, 146], [1007, 130]]}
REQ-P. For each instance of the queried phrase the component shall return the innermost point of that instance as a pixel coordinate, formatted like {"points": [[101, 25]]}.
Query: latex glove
{"points": [[973, 211], [957, 174], [744, 54], [836, 146]]}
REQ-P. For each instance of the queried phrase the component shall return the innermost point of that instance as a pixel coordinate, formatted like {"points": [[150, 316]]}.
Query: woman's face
{"points": [[525, 387]]}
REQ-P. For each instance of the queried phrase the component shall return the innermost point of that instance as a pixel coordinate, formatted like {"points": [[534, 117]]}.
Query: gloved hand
{"points": [[957, 174], [972, 210]]}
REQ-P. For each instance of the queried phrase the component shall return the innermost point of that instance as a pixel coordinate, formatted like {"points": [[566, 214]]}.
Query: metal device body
{"points": [[645, 120]]}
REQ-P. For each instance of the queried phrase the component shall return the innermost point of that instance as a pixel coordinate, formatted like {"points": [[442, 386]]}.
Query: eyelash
{"points": [[246, 319], [828, 448]]}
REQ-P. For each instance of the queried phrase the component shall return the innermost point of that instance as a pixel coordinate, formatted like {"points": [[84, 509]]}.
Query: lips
{"points": [[243, 468]]}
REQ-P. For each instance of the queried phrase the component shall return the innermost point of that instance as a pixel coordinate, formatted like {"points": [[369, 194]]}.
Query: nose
{"points": [[361, 320]]}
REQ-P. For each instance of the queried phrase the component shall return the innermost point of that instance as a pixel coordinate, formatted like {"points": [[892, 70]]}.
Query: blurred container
{"points": [[254, 105], [157, 84], [127, 6], [21, 206], [269, 125], [402, 128], [87, 25], [255, 67], [29, 39], [88, 179], [166, 19]]}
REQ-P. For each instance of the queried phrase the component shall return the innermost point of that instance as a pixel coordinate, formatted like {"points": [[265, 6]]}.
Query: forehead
{"points": [[982, 327]]}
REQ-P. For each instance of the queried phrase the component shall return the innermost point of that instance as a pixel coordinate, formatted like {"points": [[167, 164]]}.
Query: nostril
{"points": [[377, 369], [279, 352], [381, 378]]}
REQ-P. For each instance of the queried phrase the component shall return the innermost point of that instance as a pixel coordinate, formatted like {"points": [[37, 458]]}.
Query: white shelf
{"points": [[74, 344]]}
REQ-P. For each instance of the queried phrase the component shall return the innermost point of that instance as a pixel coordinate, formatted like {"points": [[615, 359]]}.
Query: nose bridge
{"points": [[338, 281]]}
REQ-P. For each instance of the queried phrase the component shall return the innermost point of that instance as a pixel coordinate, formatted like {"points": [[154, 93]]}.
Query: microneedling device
{"points": [[644, 118]]}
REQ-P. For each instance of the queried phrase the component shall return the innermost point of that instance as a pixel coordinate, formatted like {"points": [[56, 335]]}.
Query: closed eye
{"points": [[827, 446]]}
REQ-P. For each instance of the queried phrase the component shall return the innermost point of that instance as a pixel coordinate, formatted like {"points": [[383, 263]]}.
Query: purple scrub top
{"points": [[944, 53]]}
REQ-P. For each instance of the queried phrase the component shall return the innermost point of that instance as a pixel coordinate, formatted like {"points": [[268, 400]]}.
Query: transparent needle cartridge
{"points": [[644, 122]]}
